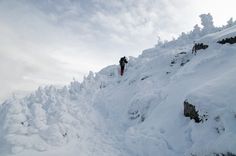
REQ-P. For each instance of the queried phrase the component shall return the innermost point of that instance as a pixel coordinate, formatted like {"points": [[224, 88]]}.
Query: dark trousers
{"points": [[122, 70]]}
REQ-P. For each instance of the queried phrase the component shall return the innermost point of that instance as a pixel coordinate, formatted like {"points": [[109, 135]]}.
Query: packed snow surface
{"points": [[138, 114]]}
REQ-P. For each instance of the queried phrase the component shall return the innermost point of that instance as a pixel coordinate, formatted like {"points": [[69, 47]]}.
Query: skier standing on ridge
{"points": [[122, 61]]}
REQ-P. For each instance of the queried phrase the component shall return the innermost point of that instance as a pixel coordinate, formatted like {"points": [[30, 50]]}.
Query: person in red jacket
{"points": [[122, 62]]}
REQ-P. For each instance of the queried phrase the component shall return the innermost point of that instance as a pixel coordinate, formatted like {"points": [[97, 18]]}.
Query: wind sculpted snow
{"points": [[140, 113]]}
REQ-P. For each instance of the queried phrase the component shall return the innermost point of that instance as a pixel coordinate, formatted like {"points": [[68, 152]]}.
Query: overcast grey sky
{"points": [[52, 41]]}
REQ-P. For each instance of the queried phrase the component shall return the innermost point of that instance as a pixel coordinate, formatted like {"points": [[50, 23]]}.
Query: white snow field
{"points": [[138, 114]]}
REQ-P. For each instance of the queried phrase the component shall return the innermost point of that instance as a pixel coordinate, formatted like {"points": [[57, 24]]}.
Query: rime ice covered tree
{"points": [[196, 32], [230, 23], [207, 23]]}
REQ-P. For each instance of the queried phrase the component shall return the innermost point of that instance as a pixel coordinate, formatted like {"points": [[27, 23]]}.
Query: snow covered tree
{"points": [[196, 31], [184, 36], [230, 23], [207, 23], [159, 41]]}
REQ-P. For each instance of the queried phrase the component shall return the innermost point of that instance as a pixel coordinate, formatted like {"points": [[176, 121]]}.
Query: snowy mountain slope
{"points": [[138, 114], [225, 33], [166, 121]]}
